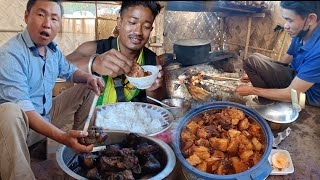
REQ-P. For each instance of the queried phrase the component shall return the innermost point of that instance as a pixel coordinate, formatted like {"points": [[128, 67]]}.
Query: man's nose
{"points": [[46, 23], [138, 30], [286, 26]]}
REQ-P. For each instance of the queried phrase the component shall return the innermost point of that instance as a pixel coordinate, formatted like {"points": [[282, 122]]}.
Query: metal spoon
{"points": [[163, 104], [98, 148], [93, 106]]}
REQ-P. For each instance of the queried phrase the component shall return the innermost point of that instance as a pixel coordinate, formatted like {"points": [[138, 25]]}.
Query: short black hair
{"points": [[302, 8], [32, 2], [154, 6]]}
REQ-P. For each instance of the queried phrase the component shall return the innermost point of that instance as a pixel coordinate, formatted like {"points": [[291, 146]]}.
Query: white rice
{"points": [[128, 117]]}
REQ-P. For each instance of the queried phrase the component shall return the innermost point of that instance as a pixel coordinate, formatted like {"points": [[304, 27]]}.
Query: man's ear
{"points": [[313, 18], [119, 21], [26, 15]]}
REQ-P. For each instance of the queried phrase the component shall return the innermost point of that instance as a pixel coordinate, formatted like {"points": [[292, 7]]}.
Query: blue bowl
{"points": [[259, 171]]}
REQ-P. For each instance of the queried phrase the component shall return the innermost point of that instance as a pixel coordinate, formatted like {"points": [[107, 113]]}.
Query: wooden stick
{"points": [[257, 48], [10, 30], [99, 2], [230, 87], [96, 22], [248, 38], [225, 78]]}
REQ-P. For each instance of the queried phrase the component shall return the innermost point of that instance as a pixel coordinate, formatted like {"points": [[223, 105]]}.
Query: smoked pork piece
{"points": [[88, 160], [95, 135], [133, 158], [138, 71], [151, 163]]}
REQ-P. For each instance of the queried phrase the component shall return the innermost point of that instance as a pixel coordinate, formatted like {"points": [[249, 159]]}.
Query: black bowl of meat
{"points": [[125, 155]]}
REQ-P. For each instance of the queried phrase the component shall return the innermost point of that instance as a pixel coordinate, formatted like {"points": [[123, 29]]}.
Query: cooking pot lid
{"points": [[191, 42], [278, 112]]}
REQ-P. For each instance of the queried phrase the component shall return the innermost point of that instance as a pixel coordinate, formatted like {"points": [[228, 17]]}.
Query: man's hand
{"points": [[159, 81], [96, 84], [244, 90], [71, 140], [112, 63], [244, 78]]}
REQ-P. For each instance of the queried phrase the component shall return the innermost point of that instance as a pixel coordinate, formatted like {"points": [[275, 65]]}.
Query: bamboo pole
{"points": [[72, 18], [257, 48], [102, 18], [248, 37], [10, 30], [96, 21], [222, 78], [99, 2], [282, 46]]}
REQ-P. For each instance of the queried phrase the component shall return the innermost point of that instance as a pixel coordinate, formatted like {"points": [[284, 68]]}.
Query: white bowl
{"points": [[284, 171], [147, 81]]}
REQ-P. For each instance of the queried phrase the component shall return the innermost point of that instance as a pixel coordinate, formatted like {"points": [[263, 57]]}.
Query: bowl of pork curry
{"points": [[223, 140]]}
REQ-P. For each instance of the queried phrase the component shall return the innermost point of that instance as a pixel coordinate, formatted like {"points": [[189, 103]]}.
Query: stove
{"points": [[171, 62], [211, 89]]}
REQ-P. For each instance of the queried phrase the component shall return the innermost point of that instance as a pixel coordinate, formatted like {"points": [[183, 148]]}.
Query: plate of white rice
{"points": [[144, 118]]}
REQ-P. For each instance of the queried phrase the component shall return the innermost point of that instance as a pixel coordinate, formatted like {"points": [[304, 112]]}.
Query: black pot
{"points": [[192, 51]]}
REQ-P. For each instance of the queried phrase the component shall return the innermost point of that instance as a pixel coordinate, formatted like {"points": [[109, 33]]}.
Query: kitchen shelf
{"points": [[228, 14], [236, 9], [213, 6]]}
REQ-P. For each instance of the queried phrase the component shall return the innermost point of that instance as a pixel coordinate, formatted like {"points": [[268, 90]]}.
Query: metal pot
{"points": [[64, 155], [259, 171], [192, 51], [180, 106]]}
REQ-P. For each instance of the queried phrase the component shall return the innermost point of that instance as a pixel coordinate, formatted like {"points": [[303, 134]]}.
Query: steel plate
{"points": [[166, 118]]}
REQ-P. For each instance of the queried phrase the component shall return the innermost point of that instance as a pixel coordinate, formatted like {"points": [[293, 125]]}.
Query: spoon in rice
{"points": [[163, 104]]}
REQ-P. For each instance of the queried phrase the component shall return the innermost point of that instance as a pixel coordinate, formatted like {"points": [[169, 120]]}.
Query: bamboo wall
{"points": [[157, 31], [73, 33], [11, 18], [76, 31], [207, 25], [262, 34]]}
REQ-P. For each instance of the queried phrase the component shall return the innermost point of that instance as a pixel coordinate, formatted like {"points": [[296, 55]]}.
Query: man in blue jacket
{"points": [[298, 69]]}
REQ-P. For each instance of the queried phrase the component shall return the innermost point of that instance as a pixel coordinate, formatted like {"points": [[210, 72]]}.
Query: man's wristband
{"points": [[91, 62]]}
